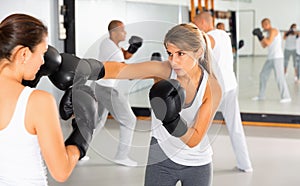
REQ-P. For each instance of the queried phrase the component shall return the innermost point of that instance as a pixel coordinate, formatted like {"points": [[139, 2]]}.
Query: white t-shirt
{"points": [[172, 146], [223, 57], [109, 51], [21, 162]]}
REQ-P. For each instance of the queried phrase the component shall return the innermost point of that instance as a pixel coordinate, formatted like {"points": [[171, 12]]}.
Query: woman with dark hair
{"points": [[290, 37], [30, 132]]}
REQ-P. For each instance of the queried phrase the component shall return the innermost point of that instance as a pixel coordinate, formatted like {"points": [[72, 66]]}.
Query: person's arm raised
{"points": [[143, 70], [268, 40]]}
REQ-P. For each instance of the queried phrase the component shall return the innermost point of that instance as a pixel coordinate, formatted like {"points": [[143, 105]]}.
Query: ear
{"points": [[23, 54], [199, 53]]}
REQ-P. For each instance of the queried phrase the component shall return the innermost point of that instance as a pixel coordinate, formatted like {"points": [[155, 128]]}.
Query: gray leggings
{"points": [[287, 55], [161, 171]]}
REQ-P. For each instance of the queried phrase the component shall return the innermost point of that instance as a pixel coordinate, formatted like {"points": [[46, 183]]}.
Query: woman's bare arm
{"points": [[42, 114], [143, 70], [205, 115]]}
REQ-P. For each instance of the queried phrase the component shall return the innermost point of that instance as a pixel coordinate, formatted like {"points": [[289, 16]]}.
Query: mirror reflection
{"points": [[249, 59]]}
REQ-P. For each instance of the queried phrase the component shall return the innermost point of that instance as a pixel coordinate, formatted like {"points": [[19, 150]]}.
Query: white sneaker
{"points": [[285, 100], [245, 170], [127, 162], [256, 98], [296, 79]]}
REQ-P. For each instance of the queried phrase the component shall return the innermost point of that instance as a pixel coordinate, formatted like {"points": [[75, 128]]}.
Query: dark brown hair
{"points": [[20, 29]]}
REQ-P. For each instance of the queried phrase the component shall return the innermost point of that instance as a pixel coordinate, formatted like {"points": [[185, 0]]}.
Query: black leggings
{"points": [[161, 171]]}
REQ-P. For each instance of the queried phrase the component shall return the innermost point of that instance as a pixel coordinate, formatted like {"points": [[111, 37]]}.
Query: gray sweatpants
{"points": [[161, 171], [115, 103], [298, 66], [277, 66], [287, 55]]}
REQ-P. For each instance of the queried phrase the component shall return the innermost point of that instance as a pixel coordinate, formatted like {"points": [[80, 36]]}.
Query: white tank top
{"points": [[290, 42], [275, 48], [109, 51], [223, 57], [21, 162], [172, 146], [298, 46]]}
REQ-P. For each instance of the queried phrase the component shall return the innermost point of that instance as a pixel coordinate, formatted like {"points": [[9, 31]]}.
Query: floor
{"points": [[248, 78], [274, 151]]}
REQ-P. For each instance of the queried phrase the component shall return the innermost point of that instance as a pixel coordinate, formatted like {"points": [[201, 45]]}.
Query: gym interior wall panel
{"points": [[45, 11], [151, 21], [31, 7], [246, 23], [165, 2], [92, 18]]}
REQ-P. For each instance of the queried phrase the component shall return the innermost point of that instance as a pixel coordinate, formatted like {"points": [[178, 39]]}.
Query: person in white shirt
{"points": [[223, 59], [110, 99], [297, 66], [30, 132], [183, 104], [274, 61], [290, 49]]}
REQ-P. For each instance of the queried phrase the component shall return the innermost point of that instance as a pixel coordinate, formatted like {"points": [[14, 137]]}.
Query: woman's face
{"points": [[181, 61], [35, 60]]}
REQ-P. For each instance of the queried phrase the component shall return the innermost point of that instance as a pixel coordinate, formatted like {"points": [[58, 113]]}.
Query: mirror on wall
{"points": [[151, 20]]}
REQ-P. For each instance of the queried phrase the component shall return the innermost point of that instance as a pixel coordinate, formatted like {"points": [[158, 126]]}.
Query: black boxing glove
{"points": [[63, 77], [52, 62], [81, 136], [241, 44], [74, 70], [65, 105], [290, 32], [156, 56], [257, 32], [167, 98], [86, 116], [135, 42]]}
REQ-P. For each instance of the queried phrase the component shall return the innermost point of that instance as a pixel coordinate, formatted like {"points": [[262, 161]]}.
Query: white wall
{"points": [[132, 13], [46, 11], [92, 18]]}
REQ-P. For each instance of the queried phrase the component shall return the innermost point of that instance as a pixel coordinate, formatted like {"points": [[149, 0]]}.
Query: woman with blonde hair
{"points": [[183, 103]]}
